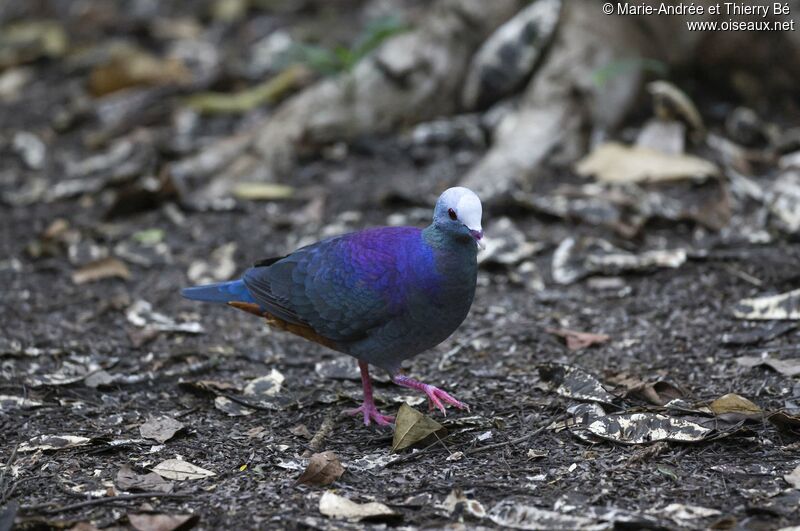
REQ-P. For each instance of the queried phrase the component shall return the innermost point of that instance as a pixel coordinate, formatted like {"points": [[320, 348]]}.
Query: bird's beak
{"points": [[478, 235]]}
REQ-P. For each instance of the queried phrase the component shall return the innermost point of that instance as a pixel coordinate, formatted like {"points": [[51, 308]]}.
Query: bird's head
{"points": [[458, 212]]}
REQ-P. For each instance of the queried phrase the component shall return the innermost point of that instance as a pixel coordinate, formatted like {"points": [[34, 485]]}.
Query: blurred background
{"points": [[640, 179]]}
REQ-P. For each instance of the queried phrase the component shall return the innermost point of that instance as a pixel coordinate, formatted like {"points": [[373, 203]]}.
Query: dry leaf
{"points": [[162, 522], [412, 427], [659, 393], [180, 470], [793, 478], [735, 404], [782, 306], [336, 506], [9, 402], [160, 429], [574, 382], [645, 428], [457, 501], [231, 407], [615, 163], [100, 269], [128, 480], [579, 340], [53, 442], [265, 386], [262, 191], [785, 421], [301, 431], [790, 367], [130, 67], [512, 514], [323, 469]]}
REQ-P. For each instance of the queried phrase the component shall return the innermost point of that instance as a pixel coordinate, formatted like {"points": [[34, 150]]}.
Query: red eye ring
{"points": [[452, 214]]}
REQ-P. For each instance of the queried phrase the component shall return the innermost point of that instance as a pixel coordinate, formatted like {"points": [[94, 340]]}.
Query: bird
{"points": [[381, 295]]}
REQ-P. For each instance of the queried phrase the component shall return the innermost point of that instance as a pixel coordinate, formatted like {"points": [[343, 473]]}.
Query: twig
{"points": [[5, 493], [324, 430], [524, 438], [43, 507]]}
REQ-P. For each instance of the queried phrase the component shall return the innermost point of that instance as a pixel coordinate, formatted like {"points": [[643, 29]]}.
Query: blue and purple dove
{"points": [[381, 295]]}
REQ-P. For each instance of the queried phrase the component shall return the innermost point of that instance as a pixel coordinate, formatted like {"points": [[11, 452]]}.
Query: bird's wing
{"points": [[342, 287]]}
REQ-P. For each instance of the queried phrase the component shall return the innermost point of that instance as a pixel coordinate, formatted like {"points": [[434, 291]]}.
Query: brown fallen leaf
{"points": [[579, 340], [162, 522], [160, 429], [412, 427], [659, 392], [100, 269], [128, 480], [323, 469], [733, 404], [129, 67]]}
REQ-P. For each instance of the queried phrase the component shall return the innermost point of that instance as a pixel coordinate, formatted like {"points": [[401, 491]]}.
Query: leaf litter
{"points": [[412, 427], [323, 469]]}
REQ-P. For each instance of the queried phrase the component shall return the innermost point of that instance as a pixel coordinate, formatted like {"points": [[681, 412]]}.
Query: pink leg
{"points": [[435, 395], [368, 408]]}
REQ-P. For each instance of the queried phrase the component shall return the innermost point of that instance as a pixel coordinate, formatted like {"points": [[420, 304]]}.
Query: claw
{"points": [[371, 413], [434, 394]]}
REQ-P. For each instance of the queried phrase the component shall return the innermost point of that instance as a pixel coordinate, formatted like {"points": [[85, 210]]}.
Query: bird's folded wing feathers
{"points": [[342, 287]]}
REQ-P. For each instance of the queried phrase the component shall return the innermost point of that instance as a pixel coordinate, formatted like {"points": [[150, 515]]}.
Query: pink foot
{"points": [[435, 395], [371, 413], [368, 408]]}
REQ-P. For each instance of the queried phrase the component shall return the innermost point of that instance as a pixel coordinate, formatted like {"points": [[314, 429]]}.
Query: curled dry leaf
{"points": [[645, 428], [162, 522], [736, 405], [335, 506], [660, 392], [53, 442], [579, 340], [108, 267], [788, 367], [181, 470], [323, 469], [160, 429], [128, 480], [412, 427], [782, 306], [785, 421], [574, 382]]}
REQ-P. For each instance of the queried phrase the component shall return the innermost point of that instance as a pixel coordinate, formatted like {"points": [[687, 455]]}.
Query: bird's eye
{"points": [[452, 214]]}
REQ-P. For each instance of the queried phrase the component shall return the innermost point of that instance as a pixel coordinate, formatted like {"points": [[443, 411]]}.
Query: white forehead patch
{"points": [[466, 204]]}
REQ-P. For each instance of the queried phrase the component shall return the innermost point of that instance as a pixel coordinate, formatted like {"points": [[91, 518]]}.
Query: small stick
{"points": [[524, 438], [324, 430], [100, 501]]}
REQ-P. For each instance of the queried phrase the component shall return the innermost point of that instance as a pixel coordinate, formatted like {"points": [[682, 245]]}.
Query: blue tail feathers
{"points": [[235, 290]]}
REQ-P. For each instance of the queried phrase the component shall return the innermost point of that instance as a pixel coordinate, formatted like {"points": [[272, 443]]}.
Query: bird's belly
{"points": [[412, 332]]}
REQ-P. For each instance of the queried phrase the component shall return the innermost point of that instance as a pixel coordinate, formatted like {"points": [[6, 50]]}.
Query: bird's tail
{"points": [[223, 292]]}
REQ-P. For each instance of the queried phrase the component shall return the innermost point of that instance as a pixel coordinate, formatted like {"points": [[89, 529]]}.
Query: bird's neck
{"points": [[444, 240]]}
